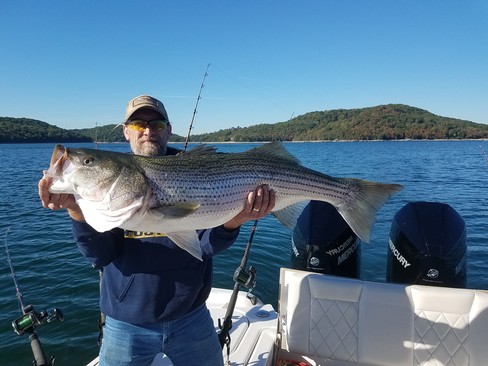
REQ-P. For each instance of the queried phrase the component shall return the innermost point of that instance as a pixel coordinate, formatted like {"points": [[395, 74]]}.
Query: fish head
{"points": [[96, 175]]}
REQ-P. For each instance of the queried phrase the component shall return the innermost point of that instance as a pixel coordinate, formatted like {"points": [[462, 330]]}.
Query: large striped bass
{"points": [[201, 189]]}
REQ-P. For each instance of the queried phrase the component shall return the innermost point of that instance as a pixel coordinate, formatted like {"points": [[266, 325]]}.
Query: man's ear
{"points": [[126, 132]]}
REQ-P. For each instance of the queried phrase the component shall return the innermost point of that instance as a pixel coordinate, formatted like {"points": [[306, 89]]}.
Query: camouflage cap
{"points": [[145, 101]]}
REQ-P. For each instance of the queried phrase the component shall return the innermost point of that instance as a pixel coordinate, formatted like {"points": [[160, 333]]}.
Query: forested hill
{"points": [[384, 122], [15, 130]]}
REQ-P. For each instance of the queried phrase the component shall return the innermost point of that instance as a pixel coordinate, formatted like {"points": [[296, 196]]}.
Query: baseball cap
{"points": [[145, 101]]}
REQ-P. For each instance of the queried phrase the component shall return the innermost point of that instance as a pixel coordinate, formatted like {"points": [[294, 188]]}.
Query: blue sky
{"points": [[77, 63]]}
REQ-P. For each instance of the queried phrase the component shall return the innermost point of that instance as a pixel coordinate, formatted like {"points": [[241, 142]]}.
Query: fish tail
{"points": [[359, 209]]}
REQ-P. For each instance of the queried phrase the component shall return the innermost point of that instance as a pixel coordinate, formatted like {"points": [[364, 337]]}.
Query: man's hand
{"points": [[58, 201], [258, 204]]}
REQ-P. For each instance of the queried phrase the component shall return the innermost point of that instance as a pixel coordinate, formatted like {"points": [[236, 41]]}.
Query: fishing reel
{"points": [[248, 280], [245, 278], [32, 319]]}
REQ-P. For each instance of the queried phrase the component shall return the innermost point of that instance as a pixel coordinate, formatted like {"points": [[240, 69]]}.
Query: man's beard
{"points": [[147, 148]]}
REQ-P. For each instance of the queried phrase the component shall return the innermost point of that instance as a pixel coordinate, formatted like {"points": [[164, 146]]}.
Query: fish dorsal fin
{"points": [[275, 149], [200, 150]]}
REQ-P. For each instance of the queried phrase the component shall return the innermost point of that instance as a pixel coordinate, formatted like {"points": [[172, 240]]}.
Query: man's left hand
{"points": [[258, 204]]}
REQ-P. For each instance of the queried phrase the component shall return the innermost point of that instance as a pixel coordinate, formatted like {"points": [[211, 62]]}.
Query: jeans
{"points": [[190, 340]]}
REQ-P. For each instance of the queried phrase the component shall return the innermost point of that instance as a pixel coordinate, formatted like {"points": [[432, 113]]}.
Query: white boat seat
{"points": [[327, 320]]}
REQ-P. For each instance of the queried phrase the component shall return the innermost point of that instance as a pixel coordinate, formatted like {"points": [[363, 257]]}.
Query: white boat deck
{"points": [[253, 333], [335, 321]]}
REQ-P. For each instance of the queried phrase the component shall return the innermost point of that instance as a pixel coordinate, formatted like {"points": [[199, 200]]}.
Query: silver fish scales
{"points": [[202, 189]]}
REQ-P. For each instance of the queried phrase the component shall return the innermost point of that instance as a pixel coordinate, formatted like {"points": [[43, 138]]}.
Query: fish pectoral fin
{"points": [[187, 240], [289, 215], [99, 219], [174, 211]]}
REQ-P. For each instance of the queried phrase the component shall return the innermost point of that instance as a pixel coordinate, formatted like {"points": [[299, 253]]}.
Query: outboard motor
{"points": [[427, 246], [323, 242]]}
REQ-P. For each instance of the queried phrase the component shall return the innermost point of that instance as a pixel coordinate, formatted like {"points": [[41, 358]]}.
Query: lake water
{"points": [[51, 272]]}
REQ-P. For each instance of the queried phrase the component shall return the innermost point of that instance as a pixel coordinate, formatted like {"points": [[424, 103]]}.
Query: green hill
{"points": [[13, 130], [384, 122]]}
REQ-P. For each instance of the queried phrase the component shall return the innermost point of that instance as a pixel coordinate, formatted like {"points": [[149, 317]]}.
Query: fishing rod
{"points": [[241, 278], [196, 107], [30, 319]]}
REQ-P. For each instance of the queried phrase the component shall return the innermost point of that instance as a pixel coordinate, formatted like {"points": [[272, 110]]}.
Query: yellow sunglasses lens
{"points": [[140, 125]]}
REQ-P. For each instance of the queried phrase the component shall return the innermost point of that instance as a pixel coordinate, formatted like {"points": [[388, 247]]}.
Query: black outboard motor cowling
{"points": [[427, 246], [323, 242]]}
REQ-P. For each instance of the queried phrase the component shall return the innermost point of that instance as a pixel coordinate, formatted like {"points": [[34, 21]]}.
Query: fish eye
{"points": [[88, 160]]}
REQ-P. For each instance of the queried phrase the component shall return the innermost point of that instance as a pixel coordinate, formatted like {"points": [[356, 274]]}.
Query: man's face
{"points": [[150, 142]]}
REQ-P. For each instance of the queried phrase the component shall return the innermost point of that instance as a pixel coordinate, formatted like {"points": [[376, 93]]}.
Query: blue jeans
{"points": [[190, 340]]}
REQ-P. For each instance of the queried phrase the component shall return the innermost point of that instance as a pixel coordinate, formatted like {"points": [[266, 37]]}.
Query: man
{"points": [[153, 293]]}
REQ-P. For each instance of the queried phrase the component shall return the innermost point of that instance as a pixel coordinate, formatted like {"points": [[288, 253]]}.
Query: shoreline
{"points": [[320, 141], [242, 142]]}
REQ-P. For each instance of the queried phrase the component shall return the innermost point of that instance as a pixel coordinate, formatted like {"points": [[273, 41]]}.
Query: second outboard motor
{"points": [[427, 246], [323, 242]]}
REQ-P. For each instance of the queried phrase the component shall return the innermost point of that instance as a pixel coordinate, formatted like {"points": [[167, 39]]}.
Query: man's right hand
{"points": [[58, 201]]}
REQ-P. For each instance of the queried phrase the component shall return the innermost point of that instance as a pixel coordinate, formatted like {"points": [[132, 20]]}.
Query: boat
{"points": [[422, 315], [327, 320]]}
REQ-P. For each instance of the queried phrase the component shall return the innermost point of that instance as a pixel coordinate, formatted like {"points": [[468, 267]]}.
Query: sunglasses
{"points": [[140, 125]]}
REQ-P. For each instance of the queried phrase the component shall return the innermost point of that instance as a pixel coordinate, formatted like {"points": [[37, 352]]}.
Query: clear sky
{"points": [[76, 63]]}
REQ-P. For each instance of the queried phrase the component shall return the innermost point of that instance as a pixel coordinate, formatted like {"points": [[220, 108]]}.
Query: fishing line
{"points": [[250, 89], [484, 154], [18, 294]]}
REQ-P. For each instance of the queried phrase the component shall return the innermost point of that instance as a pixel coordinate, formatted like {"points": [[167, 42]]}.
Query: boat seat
{"points": [[332, 321]]}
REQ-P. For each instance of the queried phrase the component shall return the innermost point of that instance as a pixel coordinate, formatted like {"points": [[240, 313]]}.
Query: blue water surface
{"points": [[51, 272]]}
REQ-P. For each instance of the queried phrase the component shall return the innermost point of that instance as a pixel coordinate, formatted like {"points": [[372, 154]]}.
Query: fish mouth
{"points": [[58, 158], [57, 172]]}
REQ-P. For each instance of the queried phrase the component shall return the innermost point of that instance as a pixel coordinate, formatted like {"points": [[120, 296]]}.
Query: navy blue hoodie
{"points": [[146, 277]]}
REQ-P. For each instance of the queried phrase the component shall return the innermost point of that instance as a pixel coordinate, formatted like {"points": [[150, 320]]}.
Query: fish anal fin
{"points": [[187, 240], [289, 215]]}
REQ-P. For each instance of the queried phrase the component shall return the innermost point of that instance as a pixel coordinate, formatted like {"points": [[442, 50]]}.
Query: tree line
{"points": [[15, 130], [384, 122]]}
